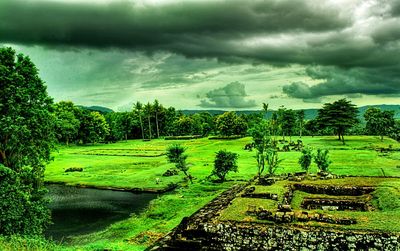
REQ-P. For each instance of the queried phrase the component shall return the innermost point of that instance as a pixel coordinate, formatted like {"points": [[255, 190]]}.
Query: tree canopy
{"points": [[339, 115], [26, 140], [379, 122]]}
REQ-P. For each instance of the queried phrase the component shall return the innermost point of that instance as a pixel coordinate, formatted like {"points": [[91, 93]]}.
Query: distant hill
{"points": [[309, 113], [95, 108]]}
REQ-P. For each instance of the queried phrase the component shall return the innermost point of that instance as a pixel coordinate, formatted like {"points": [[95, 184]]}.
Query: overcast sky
{"points": [[210, 54]]}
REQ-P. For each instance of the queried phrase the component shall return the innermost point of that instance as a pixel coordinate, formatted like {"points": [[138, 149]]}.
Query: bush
{"points": [[305, 159], [322, 160], [224, 162]]}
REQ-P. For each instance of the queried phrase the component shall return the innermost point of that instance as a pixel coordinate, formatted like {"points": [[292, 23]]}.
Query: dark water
{"points": [[78, 211]]}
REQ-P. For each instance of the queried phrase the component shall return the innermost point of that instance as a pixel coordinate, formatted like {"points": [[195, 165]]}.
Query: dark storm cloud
{"points": [[354, 82], [354, 45], [232, 95], [127, 24]]}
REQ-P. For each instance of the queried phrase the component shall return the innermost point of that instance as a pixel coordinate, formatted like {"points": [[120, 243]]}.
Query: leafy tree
{"points": [[175, 154], [67, 125], [22, 204], [120, 124], [312, 127], [300, 121], [148, 110], [224, 162], [138, 110], [262, 142], [229, 124], [184, 125], [26, 140], [379, 122], [339, 115], [286, 119], [169, 119], [93, 128], [157, 110], [305, 158], [322, 160], [274, 125], [288, 122], [272, 160]]}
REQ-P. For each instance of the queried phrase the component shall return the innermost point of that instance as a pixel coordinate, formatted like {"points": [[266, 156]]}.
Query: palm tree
{"points": [[148, 109], [157, 108], [138, 107]]}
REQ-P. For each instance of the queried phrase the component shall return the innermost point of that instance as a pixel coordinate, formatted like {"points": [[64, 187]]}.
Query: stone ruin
{"points": [[204, 231]]}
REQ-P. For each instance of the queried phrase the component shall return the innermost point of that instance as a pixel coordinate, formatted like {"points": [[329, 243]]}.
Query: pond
{"points": [[77, 211]]}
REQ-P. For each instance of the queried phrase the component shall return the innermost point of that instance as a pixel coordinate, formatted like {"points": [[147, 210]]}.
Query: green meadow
{"points": [[138, 164]]}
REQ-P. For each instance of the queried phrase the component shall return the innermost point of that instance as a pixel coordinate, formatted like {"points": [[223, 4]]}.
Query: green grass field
{"points": [[137, 164]]}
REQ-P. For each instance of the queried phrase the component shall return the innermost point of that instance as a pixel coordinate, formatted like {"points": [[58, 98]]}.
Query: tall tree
{"points": [[230, 124], [157, 109], [339, 115], [93, 128], [287, 120], [138, 109], [300, 121], [379, 122], [26, 140], [148, 110], [262, 142], [67, 125], [175, 154]]}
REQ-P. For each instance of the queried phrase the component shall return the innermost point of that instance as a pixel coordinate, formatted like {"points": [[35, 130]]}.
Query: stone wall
{"points": [[242, 236], [203, 230]]}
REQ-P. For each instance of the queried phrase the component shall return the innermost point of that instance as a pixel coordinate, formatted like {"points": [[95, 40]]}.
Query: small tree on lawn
{"points": [[262, 142], [305, 159], [224, 162], [322, 160], [272, 160], [175, 154]]}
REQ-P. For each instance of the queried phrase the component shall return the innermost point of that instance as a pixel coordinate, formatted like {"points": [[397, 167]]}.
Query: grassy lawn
{"points": [[137, 164]]}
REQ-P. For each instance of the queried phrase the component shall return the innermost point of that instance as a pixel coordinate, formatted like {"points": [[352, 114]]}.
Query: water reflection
{"points": [[78, 211]]}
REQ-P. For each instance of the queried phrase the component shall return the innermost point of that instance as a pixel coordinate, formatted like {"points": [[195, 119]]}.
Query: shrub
{"points": [[224, 162], [305, 159], [322, 160]]}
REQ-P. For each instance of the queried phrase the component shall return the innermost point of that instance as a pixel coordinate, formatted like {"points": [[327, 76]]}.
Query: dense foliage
{"points": [[321, 158], [26, 140], [175, 154], [340, 115], [305, 159], [379, 122], [224, 162], [23, 208]]}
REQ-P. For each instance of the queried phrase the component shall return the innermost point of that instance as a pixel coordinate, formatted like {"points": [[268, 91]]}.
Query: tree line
{"points": [[152, 120]]}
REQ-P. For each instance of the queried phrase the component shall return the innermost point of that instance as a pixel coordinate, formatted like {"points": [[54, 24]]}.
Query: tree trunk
{"points": [[381, 137], [141, 126], [149, 127], [158, 131], [301, 125], [343, 139], [3, 158]]}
